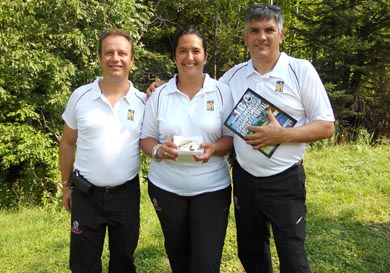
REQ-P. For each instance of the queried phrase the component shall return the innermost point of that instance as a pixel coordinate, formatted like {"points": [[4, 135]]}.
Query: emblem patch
{"points": [[279, 86], [76, 228], [156, 205], [130, 114], [210, 105], [236, 204]]}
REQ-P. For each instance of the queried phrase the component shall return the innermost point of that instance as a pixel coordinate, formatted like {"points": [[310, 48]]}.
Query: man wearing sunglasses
{"points": [[269, 192]]}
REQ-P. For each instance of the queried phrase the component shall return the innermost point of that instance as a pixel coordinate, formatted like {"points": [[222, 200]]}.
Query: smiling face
{"points": [[116, 57], [190, 56], [263, 39]]}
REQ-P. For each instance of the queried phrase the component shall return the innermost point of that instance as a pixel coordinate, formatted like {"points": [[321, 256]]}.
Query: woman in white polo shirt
{"points": [[190, 189]]}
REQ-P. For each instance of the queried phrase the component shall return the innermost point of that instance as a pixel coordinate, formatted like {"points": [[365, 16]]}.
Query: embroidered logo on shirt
{"points": [[279, 86], [76, 228], [130, 114], [210, 105]]}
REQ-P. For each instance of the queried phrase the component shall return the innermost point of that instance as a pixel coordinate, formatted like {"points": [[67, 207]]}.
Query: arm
{"points": [[168, 150], [273, 133], [67, 155], [152, 87]]}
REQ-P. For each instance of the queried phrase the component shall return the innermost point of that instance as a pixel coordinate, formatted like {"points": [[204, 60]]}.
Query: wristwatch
{"points": [[155, 152]]}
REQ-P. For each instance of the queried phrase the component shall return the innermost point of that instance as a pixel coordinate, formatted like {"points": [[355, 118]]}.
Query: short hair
{"points": [[115, 32], [264, 12], [187, 32]]}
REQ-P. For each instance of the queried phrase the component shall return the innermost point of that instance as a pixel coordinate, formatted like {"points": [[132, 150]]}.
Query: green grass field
{"points": [[348, 201]]}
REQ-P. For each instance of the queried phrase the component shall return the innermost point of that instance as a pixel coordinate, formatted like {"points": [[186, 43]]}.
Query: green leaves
{"points": [[349, 44], [47, 49]]}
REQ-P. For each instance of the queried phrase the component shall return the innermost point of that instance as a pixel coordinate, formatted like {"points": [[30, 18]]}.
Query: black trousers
{"points": [[97, 212], [194, 228], [277, 201]]}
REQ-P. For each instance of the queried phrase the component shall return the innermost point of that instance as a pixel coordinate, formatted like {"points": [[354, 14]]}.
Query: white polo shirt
{"points": [[107, 152], [296, 88], [170, 112]]}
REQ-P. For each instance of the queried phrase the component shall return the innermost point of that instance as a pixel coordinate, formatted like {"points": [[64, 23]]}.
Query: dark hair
{"points": [[264, 12], [115, 32], [187, 32]]}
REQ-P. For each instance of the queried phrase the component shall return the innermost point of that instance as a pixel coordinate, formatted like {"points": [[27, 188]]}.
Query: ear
{"points": [[245, 38], [132, 60], [206, 57], [281, 36]]}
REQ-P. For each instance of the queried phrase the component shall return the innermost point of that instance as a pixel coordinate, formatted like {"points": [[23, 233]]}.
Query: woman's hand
{"points": [[168, 150], [209, 150]]}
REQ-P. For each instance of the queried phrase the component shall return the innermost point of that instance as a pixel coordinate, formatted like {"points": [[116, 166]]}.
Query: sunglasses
{"points": [[264, 7]]}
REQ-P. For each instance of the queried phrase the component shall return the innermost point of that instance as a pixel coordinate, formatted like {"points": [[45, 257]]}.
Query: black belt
{"points": [[83, 185], [293, 167], [112, 189]]}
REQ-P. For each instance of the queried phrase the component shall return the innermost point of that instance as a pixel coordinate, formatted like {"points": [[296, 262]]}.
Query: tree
{"points": [[47, 48], [348, 42], [221, 22]]}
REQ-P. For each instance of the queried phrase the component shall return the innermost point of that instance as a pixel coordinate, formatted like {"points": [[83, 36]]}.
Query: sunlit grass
{"points": [[348, 202]]}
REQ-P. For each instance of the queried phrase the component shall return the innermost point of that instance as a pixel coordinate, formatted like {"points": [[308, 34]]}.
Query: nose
{"points": [[115, 56], [190, 55], [262, 35]]}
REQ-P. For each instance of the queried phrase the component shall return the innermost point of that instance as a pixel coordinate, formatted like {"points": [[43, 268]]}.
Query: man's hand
{"points": [[269, 135], [67, 198], [152, 87]]}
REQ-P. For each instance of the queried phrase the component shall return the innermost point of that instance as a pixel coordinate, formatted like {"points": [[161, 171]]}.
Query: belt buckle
{"points": [[110, 189]]}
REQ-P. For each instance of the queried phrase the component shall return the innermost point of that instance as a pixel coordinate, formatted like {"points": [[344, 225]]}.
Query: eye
{"points": [[270, 30]]}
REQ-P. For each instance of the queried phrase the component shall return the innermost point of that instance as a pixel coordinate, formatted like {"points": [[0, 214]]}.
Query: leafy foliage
{"points": [[48, 48], [221, 22], [349, 43]]}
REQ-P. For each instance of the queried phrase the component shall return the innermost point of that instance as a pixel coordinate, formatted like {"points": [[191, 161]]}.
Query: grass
{"points": [[348, 201]]}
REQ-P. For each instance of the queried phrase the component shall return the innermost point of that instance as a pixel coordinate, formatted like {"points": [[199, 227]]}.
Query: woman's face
{"points": [[190, 57]]}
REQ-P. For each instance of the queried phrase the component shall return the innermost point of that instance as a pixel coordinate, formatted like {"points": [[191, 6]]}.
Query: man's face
{"points": [[116, 59], [263, 39]]}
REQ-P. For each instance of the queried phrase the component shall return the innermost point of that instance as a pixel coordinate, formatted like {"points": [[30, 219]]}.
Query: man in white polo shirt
{"points": [[100, 150], [270, 191]]}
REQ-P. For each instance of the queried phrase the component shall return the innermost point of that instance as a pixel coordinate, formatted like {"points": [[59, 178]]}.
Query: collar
{"points": [[278, 70], [207, 85], [97, 93]]}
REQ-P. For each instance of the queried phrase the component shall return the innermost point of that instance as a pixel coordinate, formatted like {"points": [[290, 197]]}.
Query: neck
{"points": [[114, 91], [190, 86], [113, 87], [264, 66]]}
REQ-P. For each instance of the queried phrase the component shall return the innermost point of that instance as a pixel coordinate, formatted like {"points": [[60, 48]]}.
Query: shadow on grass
{"points": [[344, 245]]}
